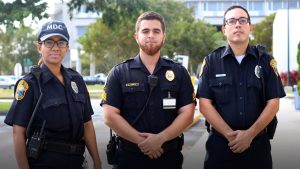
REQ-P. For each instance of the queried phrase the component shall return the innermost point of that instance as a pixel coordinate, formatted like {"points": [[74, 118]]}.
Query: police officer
{"points": [[231, 94], [148, 101], [62, 125]]}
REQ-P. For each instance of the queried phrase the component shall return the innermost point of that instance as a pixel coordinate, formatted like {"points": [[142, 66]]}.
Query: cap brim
{"points": [[53, 34]]}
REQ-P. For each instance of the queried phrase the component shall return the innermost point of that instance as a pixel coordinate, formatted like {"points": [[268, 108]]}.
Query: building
{"points": [[212, 11], [76, 27], [286, 35]]}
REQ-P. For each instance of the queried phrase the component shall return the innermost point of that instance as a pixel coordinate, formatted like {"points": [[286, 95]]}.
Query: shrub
{"points": [[294, 77]]}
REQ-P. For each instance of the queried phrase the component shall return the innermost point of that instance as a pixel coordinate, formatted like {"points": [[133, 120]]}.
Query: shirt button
{"points": [[241, 98], [241, 113], [240, 83]]}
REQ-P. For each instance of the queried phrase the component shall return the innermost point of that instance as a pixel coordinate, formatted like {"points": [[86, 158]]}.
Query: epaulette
{"points": [[168, 60], [125, 61], [71, 69], [218, 49], [261, 49]]}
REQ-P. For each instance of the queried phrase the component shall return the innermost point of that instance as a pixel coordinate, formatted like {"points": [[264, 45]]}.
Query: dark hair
{"points": [[150, 15], [234, 7]]}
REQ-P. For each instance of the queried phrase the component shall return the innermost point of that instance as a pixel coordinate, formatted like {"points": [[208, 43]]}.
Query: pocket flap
{"points": [[169, 87], [254, 82], [53, 102], [133, 88], [79, 98], [220, 82]]}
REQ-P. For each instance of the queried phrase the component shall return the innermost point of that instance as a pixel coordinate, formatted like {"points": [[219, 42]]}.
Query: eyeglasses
{"points": [[232, 21], [50, 43]]}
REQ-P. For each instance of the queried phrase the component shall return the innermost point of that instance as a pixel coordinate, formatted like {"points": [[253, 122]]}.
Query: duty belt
{"points": [[126, 145], [65, 148]]}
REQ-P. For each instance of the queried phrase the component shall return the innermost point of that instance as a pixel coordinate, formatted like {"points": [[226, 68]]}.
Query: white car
{"points": [[101, 77], [7, 82]]}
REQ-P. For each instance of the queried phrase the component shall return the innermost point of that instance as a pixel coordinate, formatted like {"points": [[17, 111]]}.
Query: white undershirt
{"points": [[240, 58]]}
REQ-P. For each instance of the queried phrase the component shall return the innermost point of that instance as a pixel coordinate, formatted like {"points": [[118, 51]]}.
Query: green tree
{"points": [[20, 9], [108, 40], [15, 46], [263, 32]]}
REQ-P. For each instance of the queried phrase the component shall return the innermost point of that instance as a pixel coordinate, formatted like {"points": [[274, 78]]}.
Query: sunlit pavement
{"points": [[285, 145]]}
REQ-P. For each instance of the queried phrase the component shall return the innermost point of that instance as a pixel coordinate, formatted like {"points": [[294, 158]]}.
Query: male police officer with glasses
{"points": [[149, 101], [234, 82]]}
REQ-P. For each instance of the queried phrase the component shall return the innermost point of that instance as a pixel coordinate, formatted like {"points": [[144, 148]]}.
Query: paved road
{"points": [[285, 146], [7, 159]]}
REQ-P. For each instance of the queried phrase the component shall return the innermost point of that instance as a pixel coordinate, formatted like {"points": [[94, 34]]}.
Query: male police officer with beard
{"points": [[149, 101]]}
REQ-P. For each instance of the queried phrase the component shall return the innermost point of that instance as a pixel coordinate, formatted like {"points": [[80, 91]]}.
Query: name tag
{"points": [[169, 103], [220, 75]]}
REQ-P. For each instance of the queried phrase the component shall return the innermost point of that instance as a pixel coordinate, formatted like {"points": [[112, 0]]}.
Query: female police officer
{"points": [[62, 124]]}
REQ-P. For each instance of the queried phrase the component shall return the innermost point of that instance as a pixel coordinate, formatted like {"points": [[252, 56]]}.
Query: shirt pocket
{"points": [[221, 89], [79, 101], [54, 102], [171, 88], [133, 96], [254, 91]]}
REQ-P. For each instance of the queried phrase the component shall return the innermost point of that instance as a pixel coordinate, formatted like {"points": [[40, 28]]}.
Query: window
{"points": [[212, 6], [243, 4], [277, 5], [81, 30]]}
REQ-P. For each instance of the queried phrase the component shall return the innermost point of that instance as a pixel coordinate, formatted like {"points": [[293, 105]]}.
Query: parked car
{"points": [[7, 82], [101, 77]]}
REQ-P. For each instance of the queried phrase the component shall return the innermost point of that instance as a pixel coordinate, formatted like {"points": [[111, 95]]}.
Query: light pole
{"points": [[288, 45]]}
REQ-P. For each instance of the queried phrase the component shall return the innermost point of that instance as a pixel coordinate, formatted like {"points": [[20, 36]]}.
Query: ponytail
{"points": [[40, 61]]}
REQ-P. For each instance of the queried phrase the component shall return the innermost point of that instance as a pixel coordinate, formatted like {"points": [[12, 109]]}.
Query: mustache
{"points": [[238, 31]]}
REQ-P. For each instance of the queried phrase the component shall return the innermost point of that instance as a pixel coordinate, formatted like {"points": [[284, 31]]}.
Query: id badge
{"points": [[169, 103]]}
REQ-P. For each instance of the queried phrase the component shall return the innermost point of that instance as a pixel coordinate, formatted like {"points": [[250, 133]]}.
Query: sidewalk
{"points": [[285, 145]]}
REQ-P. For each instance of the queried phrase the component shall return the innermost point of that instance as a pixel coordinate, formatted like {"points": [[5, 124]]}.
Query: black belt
{"points": [[126, 145], [65, 148], [261, 133]]}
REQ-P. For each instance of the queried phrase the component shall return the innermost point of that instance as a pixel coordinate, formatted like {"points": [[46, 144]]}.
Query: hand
{"points": [[151, 146], [241, 140]]}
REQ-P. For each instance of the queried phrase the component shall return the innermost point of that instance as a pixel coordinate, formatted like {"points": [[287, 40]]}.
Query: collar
{"points": [[249, 51], [137, 63], [47, 74]]}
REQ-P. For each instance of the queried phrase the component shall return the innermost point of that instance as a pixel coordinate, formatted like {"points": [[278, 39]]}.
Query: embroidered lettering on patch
{"points": [[132, 84], [22, 87], [273, 64]]}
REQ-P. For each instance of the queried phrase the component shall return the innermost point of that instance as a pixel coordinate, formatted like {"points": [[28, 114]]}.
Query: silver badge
{"points": [[257, 70], [74, 87]]}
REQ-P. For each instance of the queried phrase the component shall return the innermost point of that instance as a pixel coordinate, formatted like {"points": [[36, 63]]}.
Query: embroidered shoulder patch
{"points": [[104, 96], [273, 64], [202, 67], [22, 87]]}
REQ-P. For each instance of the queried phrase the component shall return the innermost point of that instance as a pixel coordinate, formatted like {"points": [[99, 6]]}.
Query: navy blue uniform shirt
{"points": [[234, 88], [127, 89], [64, 107]]}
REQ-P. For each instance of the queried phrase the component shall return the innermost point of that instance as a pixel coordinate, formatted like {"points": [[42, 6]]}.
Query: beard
{"points": [[150, 48]]}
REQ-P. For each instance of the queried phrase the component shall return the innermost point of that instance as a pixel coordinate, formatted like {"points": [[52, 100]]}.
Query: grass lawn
{"points": [[93, 89], [6, 93], [4, 106]]}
